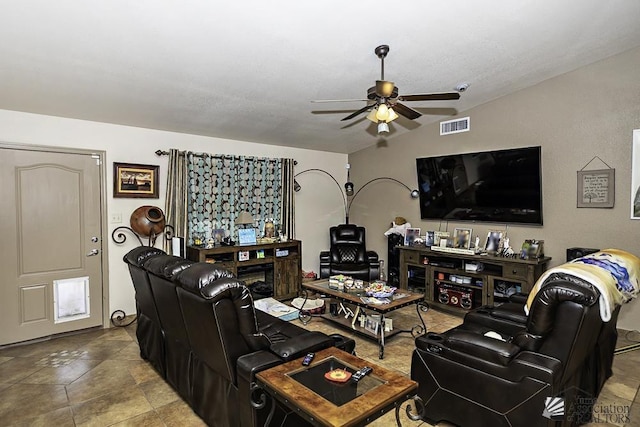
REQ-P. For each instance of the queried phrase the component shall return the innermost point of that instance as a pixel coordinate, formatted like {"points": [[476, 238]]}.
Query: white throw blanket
{"points": [[613, 272]]}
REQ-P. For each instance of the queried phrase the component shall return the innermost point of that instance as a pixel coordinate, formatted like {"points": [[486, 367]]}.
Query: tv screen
{"points": [[502, 186]]}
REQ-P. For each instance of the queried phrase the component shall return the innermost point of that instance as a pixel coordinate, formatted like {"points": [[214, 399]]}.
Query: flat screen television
{"points": [[502, 186]]}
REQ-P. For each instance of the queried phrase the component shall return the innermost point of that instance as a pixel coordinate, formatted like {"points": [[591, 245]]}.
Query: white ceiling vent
{"points": [[454, 126]]}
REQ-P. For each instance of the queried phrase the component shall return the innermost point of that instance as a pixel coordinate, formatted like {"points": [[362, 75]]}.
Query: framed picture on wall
{"points": [[135, 181]]}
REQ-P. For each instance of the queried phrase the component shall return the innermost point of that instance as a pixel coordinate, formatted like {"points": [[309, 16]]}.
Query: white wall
{"points": [[317, 204]]}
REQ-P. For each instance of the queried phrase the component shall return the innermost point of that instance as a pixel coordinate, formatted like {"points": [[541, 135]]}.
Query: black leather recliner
{"points": [[563, 352], [213, 341], [348, 254]]}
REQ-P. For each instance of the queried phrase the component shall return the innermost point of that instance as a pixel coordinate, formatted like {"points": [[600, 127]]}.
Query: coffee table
{"points": [[402, 298], [320, 402]]}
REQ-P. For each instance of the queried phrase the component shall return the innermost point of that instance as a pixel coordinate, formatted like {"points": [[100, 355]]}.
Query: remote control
{"points": [[308, 358], [361, 374]]}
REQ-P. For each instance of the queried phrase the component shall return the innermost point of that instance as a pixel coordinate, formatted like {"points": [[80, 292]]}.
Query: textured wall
{"points": [[588, 112]]}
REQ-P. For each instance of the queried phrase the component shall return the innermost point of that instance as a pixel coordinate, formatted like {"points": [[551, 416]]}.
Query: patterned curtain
{"points": [[288, 201], [176, 196], [221, 187]]}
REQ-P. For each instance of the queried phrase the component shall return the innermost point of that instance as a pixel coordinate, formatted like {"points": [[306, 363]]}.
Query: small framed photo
{"points": [[243, 256], [532, 249], [247, 236], [135, 181], [439, 237], [494, 240], [429, 239], [411, 234], [462, 238], [217, 234]]}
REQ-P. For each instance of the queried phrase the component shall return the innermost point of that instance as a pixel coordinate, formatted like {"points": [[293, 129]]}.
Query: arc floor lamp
{"points": [[349, 186]]}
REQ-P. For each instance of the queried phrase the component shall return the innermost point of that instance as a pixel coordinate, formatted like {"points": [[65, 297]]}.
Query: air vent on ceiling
{"points": [[454, 126]]}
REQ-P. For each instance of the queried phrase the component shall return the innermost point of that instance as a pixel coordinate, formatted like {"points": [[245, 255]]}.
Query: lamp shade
{"points": [[244, 218]]}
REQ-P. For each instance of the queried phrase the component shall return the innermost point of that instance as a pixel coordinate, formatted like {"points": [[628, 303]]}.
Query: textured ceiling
{"points": [[247, 70]]}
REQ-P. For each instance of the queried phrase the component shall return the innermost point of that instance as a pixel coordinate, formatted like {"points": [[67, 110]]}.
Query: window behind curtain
{"points": [[220, 187]]}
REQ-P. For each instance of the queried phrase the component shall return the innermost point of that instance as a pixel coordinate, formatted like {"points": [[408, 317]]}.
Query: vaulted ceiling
{"points": [[247, 70]]}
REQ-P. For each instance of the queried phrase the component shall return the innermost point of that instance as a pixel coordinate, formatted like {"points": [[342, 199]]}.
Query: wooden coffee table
{"points": [[402, 298], [320, 402]]}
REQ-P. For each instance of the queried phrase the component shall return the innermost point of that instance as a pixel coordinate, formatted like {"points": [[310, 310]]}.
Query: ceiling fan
{"points": [[384, 101]]}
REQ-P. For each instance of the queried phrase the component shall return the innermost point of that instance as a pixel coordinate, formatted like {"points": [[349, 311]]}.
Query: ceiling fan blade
{"points": [[403, 110], [444, 96], [355, 113], [384, 88], [339, 100]]}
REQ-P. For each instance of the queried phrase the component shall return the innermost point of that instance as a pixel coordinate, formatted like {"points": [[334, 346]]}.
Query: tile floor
{"points": [[97, 378]]}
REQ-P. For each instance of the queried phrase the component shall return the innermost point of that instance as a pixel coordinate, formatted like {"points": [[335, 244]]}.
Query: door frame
{"points": [[104, 253]]}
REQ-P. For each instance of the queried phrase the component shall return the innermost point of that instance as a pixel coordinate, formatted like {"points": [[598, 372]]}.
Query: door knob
{"points": [[93, 252], [95, 239]]}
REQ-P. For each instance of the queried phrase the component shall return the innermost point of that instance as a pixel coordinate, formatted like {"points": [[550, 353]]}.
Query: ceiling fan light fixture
{"points": [[372, 115], [392, 115], [383, 113], [383, 127]]}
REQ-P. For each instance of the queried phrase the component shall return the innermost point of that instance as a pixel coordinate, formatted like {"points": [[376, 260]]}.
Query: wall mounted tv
{"points": [[503, 186]]}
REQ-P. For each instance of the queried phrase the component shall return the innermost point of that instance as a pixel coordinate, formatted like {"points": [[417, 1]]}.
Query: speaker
{"points": [[573, 253], [456, 296]]}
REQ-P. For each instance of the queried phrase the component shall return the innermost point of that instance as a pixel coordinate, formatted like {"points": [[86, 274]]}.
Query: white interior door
{"points": [[50, 223]]}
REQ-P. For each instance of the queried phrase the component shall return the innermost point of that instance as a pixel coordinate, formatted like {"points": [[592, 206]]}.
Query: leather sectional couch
{"points": [[198, 328]]}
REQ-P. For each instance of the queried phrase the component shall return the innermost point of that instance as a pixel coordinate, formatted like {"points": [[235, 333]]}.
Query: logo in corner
{"points": [[554, 408]]}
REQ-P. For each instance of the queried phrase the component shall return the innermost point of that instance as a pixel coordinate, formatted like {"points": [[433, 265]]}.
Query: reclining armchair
{"points": [[560, 356], [348, 254]]}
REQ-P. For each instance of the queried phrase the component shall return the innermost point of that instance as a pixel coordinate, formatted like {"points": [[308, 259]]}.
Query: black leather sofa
{"points": [[198, 328], [561, 353]]}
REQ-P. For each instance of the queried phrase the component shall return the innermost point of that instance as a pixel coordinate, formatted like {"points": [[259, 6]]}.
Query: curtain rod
{"points": [[215, 156]]}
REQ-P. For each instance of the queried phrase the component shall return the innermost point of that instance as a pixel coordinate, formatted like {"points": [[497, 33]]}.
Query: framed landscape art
{"points": [[135, 181]]}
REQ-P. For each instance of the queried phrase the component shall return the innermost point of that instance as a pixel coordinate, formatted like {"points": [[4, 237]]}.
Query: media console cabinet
{"points": [[459, 282], [278, 265]]}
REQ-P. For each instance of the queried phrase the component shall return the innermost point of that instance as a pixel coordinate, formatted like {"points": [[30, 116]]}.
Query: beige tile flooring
{"points": [[97, 378]]}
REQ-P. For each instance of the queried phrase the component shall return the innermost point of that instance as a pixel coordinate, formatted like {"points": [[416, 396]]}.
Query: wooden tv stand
{"points": [[450, 283], [277, 264]]}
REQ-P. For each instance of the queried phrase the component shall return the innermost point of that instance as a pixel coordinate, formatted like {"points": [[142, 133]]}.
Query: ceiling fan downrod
{"points": [[381, 52]]}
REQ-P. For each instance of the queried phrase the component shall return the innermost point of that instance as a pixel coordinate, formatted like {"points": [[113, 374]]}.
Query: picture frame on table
{"points": [[218, 235], [439, 237], [411, 234], [462, 238], [494, 241], [532, 249], [429, 238], [132, 180], [247, 236]]}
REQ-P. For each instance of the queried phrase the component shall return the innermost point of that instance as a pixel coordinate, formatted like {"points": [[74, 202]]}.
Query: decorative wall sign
{"points": [[596, 188]]}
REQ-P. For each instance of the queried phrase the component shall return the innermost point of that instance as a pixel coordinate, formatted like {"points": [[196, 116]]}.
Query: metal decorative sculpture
{"points": [[146, 221]]}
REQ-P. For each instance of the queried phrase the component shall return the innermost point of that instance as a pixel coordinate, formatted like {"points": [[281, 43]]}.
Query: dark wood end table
{"points": [[305, 390]]}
